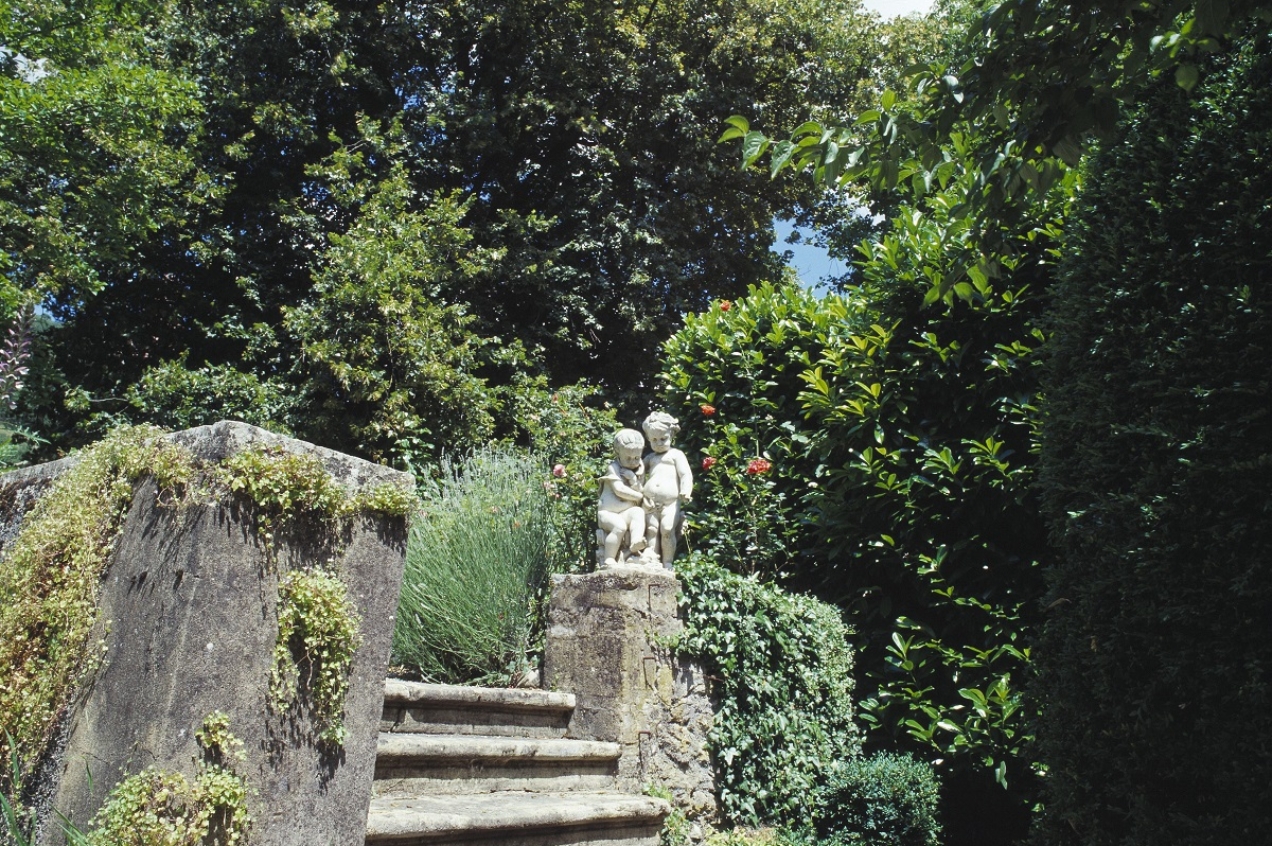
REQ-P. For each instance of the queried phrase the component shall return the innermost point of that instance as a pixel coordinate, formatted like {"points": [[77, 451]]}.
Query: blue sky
{"points": [[811, 263]]}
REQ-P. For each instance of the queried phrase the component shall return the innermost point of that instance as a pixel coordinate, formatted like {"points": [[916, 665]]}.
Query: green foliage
{"points": [[573, 431], [286, 485], [217, 741], [1154, 661], [386, 498], [619, 103], [15, 443], [881, 800], [733, 375], [364, 236], [176, 396], [927, 432], [901, 440], [984, 153], [282, 482], [476, 569], [96, 140], [783, 672], [52, 574], [756, 837], [159, 808], [676, 830], [1011, 116], [16, 821], [317, 637], [385, 369]]}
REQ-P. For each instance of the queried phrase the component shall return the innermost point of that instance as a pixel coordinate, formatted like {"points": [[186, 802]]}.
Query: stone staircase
{"points": [[471, 765]]}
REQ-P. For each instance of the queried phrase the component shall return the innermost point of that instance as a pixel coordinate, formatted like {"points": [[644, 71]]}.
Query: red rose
{"points": [[708, 463], [725, 305], [756, 466], [707, 410]]}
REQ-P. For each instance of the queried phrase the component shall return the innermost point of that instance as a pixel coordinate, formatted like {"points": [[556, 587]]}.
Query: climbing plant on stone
{"points": [[317, 636]]}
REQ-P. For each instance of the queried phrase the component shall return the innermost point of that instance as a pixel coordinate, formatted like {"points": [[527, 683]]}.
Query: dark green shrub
{"points": [[1155, 660], [901, 441], [882, 800], [783, 690]]}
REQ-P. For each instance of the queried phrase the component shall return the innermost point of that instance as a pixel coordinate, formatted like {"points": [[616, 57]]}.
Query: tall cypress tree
{"points": [[1157, 469]]}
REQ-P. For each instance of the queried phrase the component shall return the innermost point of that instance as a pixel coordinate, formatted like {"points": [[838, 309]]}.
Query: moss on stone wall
{"points": [[51, 576]]}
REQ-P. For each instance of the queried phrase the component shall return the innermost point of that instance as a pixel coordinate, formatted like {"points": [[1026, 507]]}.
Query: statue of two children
{"points": [[641, 496]]}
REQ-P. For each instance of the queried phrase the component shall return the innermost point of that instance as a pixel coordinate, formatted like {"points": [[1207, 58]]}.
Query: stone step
{"points": [[415, 707], [451, 764], [526, 819]]}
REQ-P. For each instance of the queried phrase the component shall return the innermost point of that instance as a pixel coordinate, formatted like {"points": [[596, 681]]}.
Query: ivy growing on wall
{"points": [[782, 671]]}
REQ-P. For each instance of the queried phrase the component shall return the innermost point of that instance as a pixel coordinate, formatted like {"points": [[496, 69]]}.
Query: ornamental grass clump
{"points": [[476, 569]]}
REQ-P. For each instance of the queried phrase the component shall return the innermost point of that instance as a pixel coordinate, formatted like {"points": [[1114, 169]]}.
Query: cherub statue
{"points": [[668, 483], [619, 512]]}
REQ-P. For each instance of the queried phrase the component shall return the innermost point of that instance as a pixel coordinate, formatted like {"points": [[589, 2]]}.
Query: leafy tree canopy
{"points": [[530, 185], [96, 147], [1025, 91]]}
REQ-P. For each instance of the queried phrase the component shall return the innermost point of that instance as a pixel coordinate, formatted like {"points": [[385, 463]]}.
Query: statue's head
{"points": [[661, 428], [628, 448]]}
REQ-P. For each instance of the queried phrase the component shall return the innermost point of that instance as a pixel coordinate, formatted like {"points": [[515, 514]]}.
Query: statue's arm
{"points": [[685, 476], [620, 488]]}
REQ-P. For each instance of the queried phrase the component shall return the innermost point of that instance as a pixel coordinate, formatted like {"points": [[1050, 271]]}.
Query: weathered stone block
{"points": [[188, 619], [607, 644]]}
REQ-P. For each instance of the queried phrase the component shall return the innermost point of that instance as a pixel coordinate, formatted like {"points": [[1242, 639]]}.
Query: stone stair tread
{"points": [[416, 747], [409, 693], [399, 818]]}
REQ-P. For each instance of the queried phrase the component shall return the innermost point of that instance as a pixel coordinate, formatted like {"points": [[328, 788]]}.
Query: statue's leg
{"points": [[667, 532], [651, 554], [636, 528], [611, 531]]}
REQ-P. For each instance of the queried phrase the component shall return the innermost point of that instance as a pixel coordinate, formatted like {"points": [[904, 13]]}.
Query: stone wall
{"points": [[188, 622], [607, 644]]}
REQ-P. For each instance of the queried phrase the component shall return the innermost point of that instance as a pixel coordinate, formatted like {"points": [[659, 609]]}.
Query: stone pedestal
{"points": [[607, 643]]}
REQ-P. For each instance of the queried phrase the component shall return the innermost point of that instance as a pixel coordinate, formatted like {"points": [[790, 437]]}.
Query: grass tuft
{"points": [[476, 566]]}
